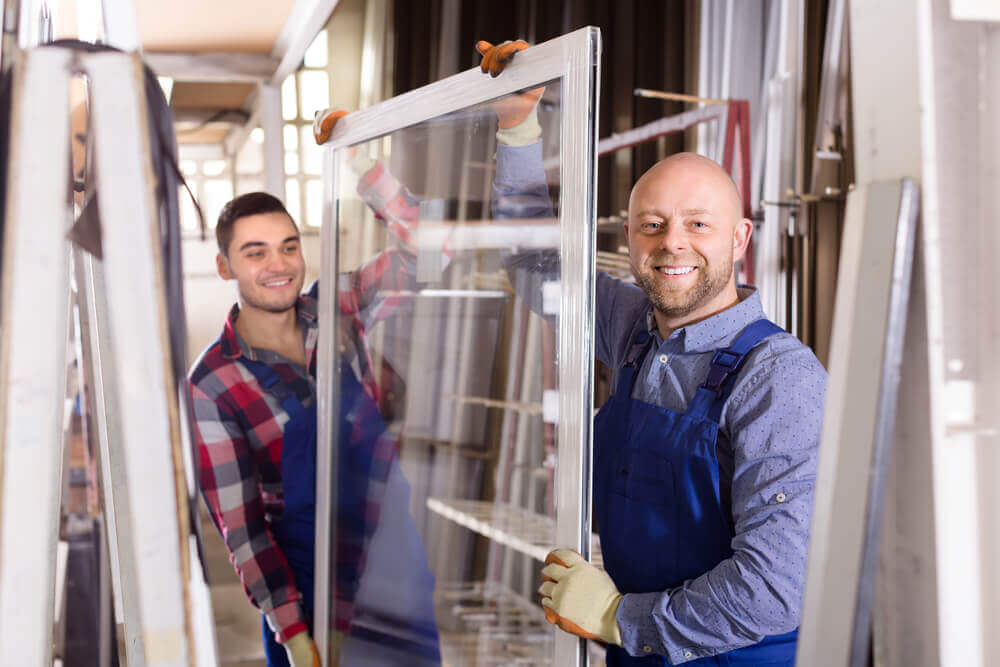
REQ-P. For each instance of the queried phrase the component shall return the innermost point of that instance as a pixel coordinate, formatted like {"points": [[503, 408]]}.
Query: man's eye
{"points": [[699, 224], [255, 255], [651, 226], [291, 248]]}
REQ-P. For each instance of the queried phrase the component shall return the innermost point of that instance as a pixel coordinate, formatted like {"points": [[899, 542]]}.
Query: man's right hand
{"points": [[302, 651]]}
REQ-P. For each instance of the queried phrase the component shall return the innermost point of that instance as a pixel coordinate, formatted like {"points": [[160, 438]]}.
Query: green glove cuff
{"points": [[361, 163], [299, 649], [528, 131]]}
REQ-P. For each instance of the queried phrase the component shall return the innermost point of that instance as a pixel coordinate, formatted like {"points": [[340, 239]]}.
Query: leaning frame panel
{"points": [[164, 599], [568, 65]]}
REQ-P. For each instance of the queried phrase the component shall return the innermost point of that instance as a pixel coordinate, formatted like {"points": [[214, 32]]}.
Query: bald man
{"points": [[705, 454]]}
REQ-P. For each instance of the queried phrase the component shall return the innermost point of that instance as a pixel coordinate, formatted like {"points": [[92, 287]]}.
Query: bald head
{"points": [[685, 230], [694, 178]]}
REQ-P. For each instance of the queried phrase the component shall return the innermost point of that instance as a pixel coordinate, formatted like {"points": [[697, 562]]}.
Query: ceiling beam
{"points": [[198, 116], [201, 152], [304, 22], [249, 67]]}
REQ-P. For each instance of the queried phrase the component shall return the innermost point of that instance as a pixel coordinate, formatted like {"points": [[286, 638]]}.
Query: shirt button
{"points": [[688, 654], [781, 497], [664, 358], [647, 649]]}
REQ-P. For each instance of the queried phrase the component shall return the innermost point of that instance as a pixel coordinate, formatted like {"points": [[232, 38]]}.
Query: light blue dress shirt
{"points": [[767, 448]]}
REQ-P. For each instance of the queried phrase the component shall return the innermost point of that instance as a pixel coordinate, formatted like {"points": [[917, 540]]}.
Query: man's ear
{"points": [[741, 238], [625, 227], [222, 267]]}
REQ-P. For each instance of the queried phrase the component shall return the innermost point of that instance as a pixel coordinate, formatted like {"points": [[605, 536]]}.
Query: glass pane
{"points": [[312, 155], [315, 92], [314, 203], [289, 107], [293, 199], [316, 54], [189, 167], [291, 163], [448, 323], [217, 193], [291, 137]]}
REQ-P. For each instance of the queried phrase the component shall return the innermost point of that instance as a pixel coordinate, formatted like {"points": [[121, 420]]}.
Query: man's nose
{"points": [[673, 239], [277, 262]]}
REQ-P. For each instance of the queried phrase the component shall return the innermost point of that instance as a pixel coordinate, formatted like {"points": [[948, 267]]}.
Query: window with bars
{"points": [[303, 94], [213, 182]]}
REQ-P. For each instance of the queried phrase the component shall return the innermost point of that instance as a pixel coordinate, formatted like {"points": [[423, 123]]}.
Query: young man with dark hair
{"points": [[254, 397], [247, 436]]}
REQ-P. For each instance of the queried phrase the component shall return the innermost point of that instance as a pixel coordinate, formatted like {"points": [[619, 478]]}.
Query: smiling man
{"points": [[253, 393], [705, 453], [254, 401], [684, 239]]}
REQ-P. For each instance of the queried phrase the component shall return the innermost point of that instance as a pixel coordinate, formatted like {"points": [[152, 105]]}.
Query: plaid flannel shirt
{"points": [[239, 426]]}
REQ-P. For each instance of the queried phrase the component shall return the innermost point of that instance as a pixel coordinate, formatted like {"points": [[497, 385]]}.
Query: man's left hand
{"points": [[579, 598]]}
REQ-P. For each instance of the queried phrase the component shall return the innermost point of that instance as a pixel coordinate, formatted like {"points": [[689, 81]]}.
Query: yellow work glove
{"points": [[301, 651], [324, 122], [579, 598]]}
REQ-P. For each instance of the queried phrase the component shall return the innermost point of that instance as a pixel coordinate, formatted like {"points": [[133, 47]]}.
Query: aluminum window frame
{"points": [[574, 60]]}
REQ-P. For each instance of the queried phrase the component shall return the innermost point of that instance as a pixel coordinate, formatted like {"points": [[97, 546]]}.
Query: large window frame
{"points": [[574, 60]]}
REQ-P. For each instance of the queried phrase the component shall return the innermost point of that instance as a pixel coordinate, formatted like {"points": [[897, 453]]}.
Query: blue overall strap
{"points": [[726, 364], [271, 383], [636, 350]]}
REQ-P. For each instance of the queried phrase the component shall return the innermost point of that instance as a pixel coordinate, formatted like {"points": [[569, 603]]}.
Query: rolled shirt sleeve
{"points": [[774, 417]]}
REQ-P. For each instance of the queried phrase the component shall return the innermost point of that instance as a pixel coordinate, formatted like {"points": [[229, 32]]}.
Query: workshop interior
{"points": [[481, 373]]}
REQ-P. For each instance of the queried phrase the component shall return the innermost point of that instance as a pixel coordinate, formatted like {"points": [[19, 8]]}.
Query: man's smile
{"points": [[675, 270]]}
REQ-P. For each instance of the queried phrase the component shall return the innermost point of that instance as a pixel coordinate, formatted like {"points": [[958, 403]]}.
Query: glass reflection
{"points": [[448, 375]]}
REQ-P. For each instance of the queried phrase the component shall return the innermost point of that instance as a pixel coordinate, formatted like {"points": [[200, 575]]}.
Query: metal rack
{"points": [[525, 531], [499, 627]]}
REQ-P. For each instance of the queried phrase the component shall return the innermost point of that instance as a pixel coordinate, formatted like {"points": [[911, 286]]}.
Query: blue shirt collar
{"points": [[719, 330]]}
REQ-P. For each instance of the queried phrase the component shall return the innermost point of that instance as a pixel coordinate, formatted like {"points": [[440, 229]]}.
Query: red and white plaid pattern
{"points": [[239, 426]]}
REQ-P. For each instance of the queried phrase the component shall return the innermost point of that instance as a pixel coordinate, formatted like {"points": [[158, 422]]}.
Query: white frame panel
{"points": [[574, 59], [865, 358], [932, 121], [114, 503], [165, 601], [142, 384], [36, 275]]}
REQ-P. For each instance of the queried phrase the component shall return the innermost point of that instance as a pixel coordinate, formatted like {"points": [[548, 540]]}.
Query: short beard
{"points": [[680, 304], [268, 307]]}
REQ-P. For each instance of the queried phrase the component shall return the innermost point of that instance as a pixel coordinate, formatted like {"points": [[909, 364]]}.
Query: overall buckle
{"points": [[723, 363]]}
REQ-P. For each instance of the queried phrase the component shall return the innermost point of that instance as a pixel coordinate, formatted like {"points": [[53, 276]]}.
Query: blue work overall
{"points": [[657, 498], [294, 530]]}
